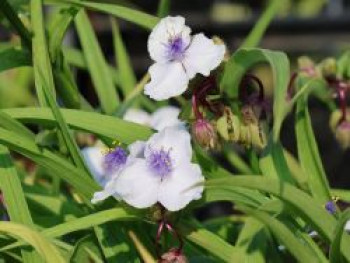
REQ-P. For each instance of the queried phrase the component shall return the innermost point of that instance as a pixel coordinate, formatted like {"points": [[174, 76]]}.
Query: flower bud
{"points": [[343, 134], [328, 68], [307, 67], [341, 130], [204, 133], [174, 255]]}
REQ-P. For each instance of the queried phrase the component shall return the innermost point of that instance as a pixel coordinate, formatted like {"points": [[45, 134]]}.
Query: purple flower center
{"points": [[330, 207], [115, 159], [160, 162], [176, 49]]}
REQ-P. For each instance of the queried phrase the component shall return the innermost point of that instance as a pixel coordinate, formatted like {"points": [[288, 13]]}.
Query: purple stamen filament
{"points": [[176, 48], [114, 159], [160, 162]]}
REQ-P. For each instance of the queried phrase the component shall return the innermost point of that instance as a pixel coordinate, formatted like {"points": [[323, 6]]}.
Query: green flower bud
{"points": [[307, 67], [328, 68], [342, 129]]}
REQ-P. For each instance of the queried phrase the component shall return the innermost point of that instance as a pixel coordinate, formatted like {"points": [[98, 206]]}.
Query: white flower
{"points": [[163, 117], [160, 170], [178, 57], [104, 166]]}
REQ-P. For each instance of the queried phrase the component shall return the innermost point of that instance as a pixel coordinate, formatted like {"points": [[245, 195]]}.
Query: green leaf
{"points": [[242, 61], [15, 22], [58, 165], [163, 8], [61, 20], [40, 55], [126, 73], [210, 242], [311, 210], [342, 194], [301, 252], [273, 163], [16, 204], [13, 125], [63, 127], [335, 249], [102, 125], [309, 157], [76, 58], [85, 250], [256, 34], [13, 58], [48, 251], [252, 241], [140, 18], [97, 64], [89, 221]]}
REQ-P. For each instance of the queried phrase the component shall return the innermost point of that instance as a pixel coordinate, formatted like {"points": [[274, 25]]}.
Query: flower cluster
{"points": [[160, 170], [155, 171]]}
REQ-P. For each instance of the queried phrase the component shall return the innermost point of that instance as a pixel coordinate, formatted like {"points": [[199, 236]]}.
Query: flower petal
{"points": [[137, 149], [167, 80], [177, 189], [202, 56], [137, 185], [93, 157], [165, 117], [168, 28], [173, 139], [137, 116]]}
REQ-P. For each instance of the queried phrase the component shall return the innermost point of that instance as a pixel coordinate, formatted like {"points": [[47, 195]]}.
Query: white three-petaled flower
{"points": [[163, 117], [178, 57], [159, 170]]}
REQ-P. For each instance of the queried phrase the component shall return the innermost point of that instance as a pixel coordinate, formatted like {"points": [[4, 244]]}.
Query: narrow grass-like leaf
{"points": [[41, 61], [13, 125], [140, 18], [256, 34], [99, 124], [342, 194], [89, 221], [242, 61], [252, 241], [13, 58], [126, 73], [163, 8], [308, 154], [61, 167], [301, 252], [311, 210], [335, 250], [61, 20], [76, 58], [97, 64], [48, 251], [210, 242], [63, 127], [16, 204], [273, 163], [144, 253]]}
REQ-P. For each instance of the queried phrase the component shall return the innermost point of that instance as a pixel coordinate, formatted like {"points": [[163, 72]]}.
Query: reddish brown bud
{"points": [[174, 255], [204, 133]]}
